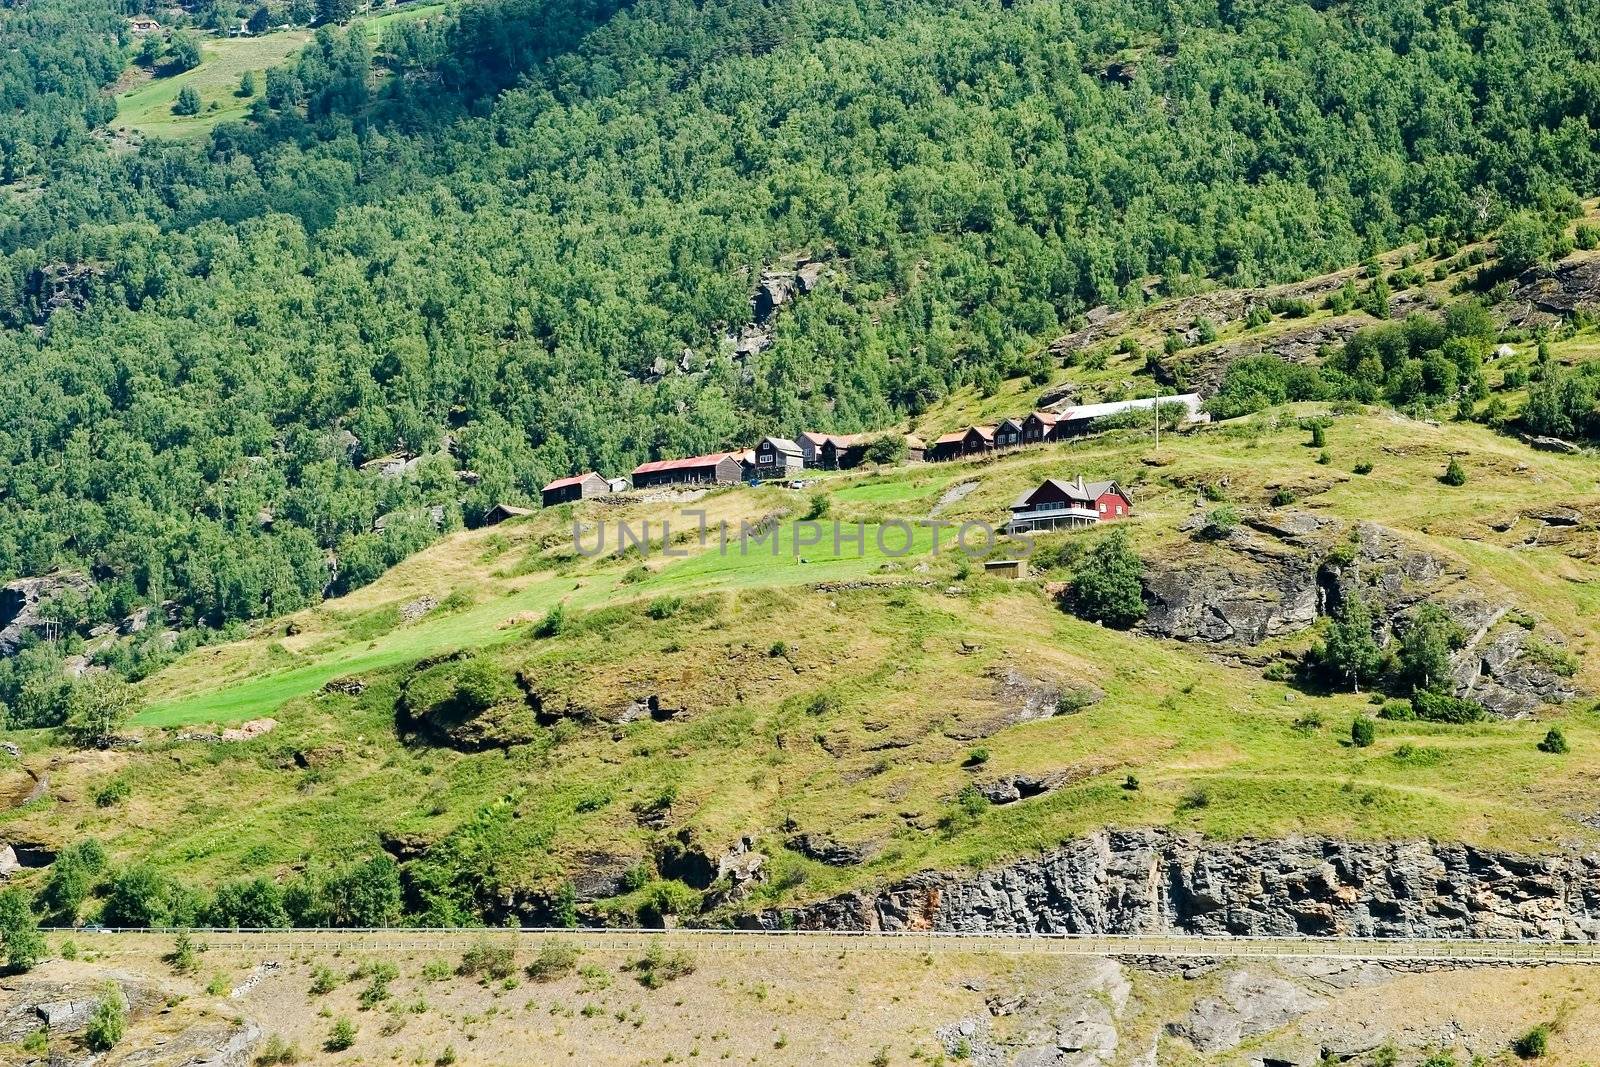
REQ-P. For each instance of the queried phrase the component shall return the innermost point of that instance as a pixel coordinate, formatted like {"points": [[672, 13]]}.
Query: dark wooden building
{"points": [[716, 468], [566, 490]]}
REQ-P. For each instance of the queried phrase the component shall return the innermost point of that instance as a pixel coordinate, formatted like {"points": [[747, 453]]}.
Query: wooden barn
{"points": [[973, 441], [566, 490], [715, 468]]}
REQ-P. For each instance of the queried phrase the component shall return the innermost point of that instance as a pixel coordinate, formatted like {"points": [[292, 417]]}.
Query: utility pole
{"points": [[1157, 408]]}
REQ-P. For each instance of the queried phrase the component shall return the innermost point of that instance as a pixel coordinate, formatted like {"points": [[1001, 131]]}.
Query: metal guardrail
{"points": [[424, 939]]}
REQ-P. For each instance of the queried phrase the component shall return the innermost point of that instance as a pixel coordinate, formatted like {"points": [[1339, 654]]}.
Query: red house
{"points": [[1078, 503]]}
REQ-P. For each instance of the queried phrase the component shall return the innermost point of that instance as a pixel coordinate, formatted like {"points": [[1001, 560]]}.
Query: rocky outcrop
{"points": [[1282, 569], [466, 702], [22, 603], [1162, 881], [1546, 296], [1246, 1006], [1068, 1019]]}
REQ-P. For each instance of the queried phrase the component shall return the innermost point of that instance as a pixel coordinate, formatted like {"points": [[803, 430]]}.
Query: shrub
{"points": [[1220, 522], [1319, 436], [1364, 467], [493, 959], [1553, 659], [1194, 800], [553, 623], [1363, 731], [1106, 586], [1397, 711], [1533, 1044], [892, 448], [555, 959], [1131, 783], [447, 1057], [436, 971], [657, 966], [1441, 707], [1454, 473], [817, 507], [977, 757], [1074, 700], [341, 1036], [110, 793], [323, 980], [663, 607], [1555, 742], [1282, 497], [277, 1050], [184, 958], [109, 1021]]}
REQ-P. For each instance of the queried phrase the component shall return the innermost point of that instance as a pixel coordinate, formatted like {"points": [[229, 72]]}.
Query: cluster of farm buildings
{"points": [[1054, 503]]}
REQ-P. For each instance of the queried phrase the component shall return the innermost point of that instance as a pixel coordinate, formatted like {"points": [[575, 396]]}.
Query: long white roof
{"points": [[1095, 411]]}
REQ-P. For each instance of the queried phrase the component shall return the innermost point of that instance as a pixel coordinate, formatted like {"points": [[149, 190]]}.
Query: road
{"points": [[142, 942]]}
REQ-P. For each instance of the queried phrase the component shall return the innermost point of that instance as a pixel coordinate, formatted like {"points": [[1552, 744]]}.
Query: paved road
{"points": [[1171, 946]]}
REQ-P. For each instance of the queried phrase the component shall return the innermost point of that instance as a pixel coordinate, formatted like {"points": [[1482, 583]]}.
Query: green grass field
{"points": [[147, 108]]}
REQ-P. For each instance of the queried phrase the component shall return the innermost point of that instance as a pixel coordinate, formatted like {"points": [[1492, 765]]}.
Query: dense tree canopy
{"points": [[474, 240]]}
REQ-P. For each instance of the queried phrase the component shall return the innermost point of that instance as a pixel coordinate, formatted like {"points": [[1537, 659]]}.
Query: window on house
{"points": [[1102, 506]]}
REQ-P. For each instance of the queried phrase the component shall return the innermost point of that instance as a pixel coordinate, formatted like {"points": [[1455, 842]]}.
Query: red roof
{"points": [[950, 438], [562, 483], [708, 460]]}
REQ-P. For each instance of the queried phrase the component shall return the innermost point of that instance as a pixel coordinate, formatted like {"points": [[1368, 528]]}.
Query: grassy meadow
{"points": [[856, 694]]}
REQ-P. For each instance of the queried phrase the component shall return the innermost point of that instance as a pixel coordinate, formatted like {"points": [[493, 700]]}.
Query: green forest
{"points": [[471, 240]]}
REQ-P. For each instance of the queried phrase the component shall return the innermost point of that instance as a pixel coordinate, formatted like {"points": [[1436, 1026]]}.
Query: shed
{"points": [[501, 512], [1006, 568], [566, 490]]}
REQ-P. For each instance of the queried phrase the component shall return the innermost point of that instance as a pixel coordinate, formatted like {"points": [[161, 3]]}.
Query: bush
{"points": [[323, 981], [1454, 473], [1397, 711], [1441, 707], [1282, 498], [1364, 467], [1319, 436], [184, 957], [977, 757], [341, 1036], [1220, 522], [817, 507], [1106, 586], [1533, 1044], [277, 1050], [109, 1021], [492, 959], [555, 959], [657, 966], [892, 448], [554, 621], [1363, 731], [663, 607], [1555, 742]]}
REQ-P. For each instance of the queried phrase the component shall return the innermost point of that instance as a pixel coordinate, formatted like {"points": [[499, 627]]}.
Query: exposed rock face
{"points": [[1247, 1005], [1283, 569], [1162, 881], [825, 849], [21, 602], [1069, 1019], [1543, 297]]}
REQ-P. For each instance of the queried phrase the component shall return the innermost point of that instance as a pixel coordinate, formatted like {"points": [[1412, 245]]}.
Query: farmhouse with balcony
{"points": [[565, 490], [715, 468], [1077, 503]]}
